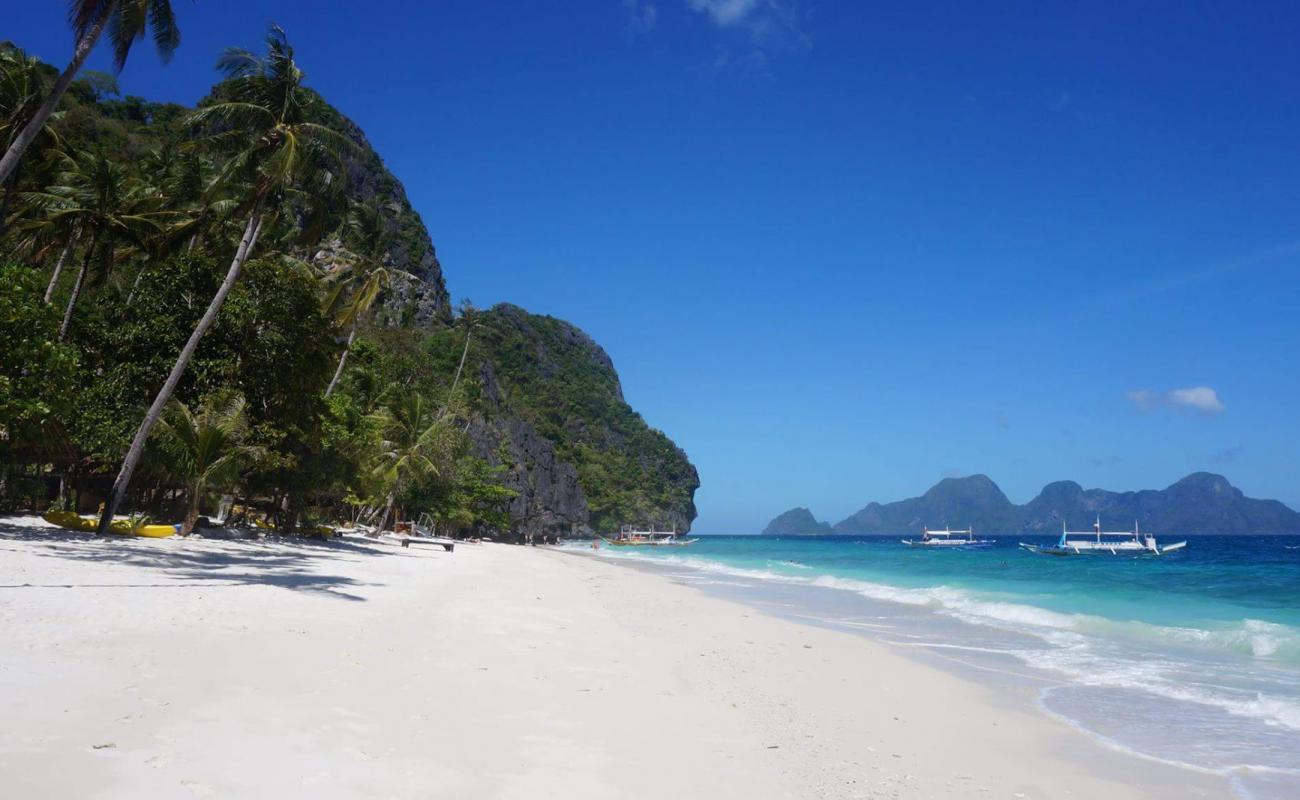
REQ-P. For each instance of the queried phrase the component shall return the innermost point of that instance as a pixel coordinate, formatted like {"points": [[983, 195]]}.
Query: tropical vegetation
{"points": [[235, 307], [179, 293]]}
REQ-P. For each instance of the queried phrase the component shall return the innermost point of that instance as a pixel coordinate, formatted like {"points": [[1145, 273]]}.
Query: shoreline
{"points": [[216, 668], [1027, 696]]}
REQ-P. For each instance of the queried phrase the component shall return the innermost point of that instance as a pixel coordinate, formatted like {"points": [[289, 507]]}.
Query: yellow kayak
{"points": [[156, 531], [120, 527]]}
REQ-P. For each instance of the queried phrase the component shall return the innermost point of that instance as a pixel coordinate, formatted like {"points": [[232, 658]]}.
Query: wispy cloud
{"points": [[1200, 400], [1279, 255], [725, 12], [753, 30], [1227, 455], [641, 16]]}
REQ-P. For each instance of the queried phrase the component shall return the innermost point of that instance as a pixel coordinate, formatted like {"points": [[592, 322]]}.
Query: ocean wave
{"points": [[1242, 668], [794, 564], [1254, 638], [1258, 639]]}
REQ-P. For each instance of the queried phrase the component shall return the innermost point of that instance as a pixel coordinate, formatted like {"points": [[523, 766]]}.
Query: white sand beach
{"points": [[135, 668]]}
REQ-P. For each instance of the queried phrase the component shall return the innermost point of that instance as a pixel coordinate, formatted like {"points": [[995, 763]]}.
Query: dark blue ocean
{"points": [[1191, 658]]}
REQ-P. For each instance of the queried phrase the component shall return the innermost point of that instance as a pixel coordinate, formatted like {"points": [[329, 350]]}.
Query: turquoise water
{"points": [[1191, 658]]}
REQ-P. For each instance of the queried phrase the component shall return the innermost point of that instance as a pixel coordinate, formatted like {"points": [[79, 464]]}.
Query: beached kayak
{"points": [[120, 527]]}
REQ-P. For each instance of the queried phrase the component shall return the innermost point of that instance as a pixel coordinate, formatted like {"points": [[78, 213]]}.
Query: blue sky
{"points": [[841, 250]]}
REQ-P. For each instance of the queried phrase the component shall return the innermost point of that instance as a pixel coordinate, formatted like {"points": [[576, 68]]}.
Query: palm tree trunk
{"points": [[191, 510], [388, 511], [10, 184], [343, 359], [76, 287], [461, 365], [136, 449], [33, 128], [58, 265], [135, 284]]}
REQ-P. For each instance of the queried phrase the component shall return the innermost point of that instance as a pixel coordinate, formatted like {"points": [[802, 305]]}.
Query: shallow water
{"points": [[1191, 658]]}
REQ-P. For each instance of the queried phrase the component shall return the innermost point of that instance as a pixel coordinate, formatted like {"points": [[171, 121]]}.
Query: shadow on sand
{"points": [[296, 564]]}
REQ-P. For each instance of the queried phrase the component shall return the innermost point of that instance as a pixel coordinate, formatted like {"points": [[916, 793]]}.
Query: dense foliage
{"points": [[359, 393], [119, 229]]}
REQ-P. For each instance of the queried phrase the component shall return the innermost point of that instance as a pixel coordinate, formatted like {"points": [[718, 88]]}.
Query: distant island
{"points": [[1201, 503], [797, 522]]}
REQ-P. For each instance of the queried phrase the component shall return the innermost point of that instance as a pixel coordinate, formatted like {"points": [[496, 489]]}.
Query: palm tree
{"points": [[126, 21], [21, 89], [280, 146], [468, 322], [413, 440], [360, 282], [206, 449], [95, 196]]}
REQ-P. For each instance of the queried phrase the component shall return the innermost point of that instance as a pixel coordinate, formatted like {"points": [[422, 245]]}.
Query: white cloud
{"points": [[724, 12], [1197, 399], [1143, 399]]}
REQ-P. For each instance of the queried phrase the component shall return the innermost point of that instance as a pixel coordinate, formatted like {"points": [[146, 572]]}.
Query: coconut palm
{"points": [[96, 197], [364, 276], [21, 89], [126, 22], [467, 322], [205, 449], [271, 122], [414, 440]]}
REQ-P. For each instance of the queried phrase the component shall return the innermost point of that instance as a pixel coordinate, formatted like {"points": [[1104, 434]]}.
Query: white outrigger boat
{"points": [[1093, 544], [946, 539], [629, 536]]}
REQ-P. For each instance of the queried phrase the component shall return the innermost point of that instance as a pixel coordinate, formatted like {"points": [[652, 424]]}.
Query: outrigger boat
{"points": [[1093, 544], [946, 538], [629, 536]]}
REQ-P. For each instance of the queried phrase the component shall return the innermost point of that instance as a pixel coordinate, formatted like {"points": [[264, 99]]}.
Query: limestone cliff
{"points": [[547, 404]]}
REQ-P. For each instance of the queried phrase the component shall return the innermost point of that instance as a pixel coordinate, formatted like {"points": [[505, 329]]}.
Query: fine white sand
{"points": [[138, 668]]}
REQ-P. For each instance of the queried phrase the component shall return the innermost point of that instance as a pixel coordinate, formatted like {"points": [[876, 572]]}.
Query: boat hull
{"points": [[616, 543], [1056, 550], [963, 545]]}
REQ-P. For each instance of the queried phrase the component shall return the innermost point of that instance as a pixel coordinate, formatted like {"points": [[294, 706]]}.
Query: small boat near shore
{"points": [[1132, 543], [628, 536], [948, 539]]}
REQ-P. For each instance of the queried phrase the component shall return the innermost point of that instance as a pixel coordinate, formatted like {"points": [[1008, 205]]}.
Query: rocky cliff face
{"points": [[421, 299], [547, 402], [548, 406], [1201, 503]]}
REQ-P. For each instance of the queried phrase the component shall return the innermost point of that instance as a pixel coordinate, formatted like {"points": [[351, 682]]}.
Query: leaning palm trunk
{"points": [[76, 288], [33, 128], [388, 512], [136, 449], [10, 184], [461, 366], [343, 359], [58, 265], [135, 284]]}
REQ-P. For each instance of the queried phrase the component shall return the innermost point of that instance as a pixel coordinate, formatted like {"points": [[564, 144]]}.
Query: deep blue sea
{"points": [[1191, 658]]}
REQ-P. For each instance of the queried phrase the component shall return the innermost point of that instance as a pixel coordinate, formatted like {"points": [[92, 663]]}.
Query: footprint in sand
{"points": [[201, 789]]}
